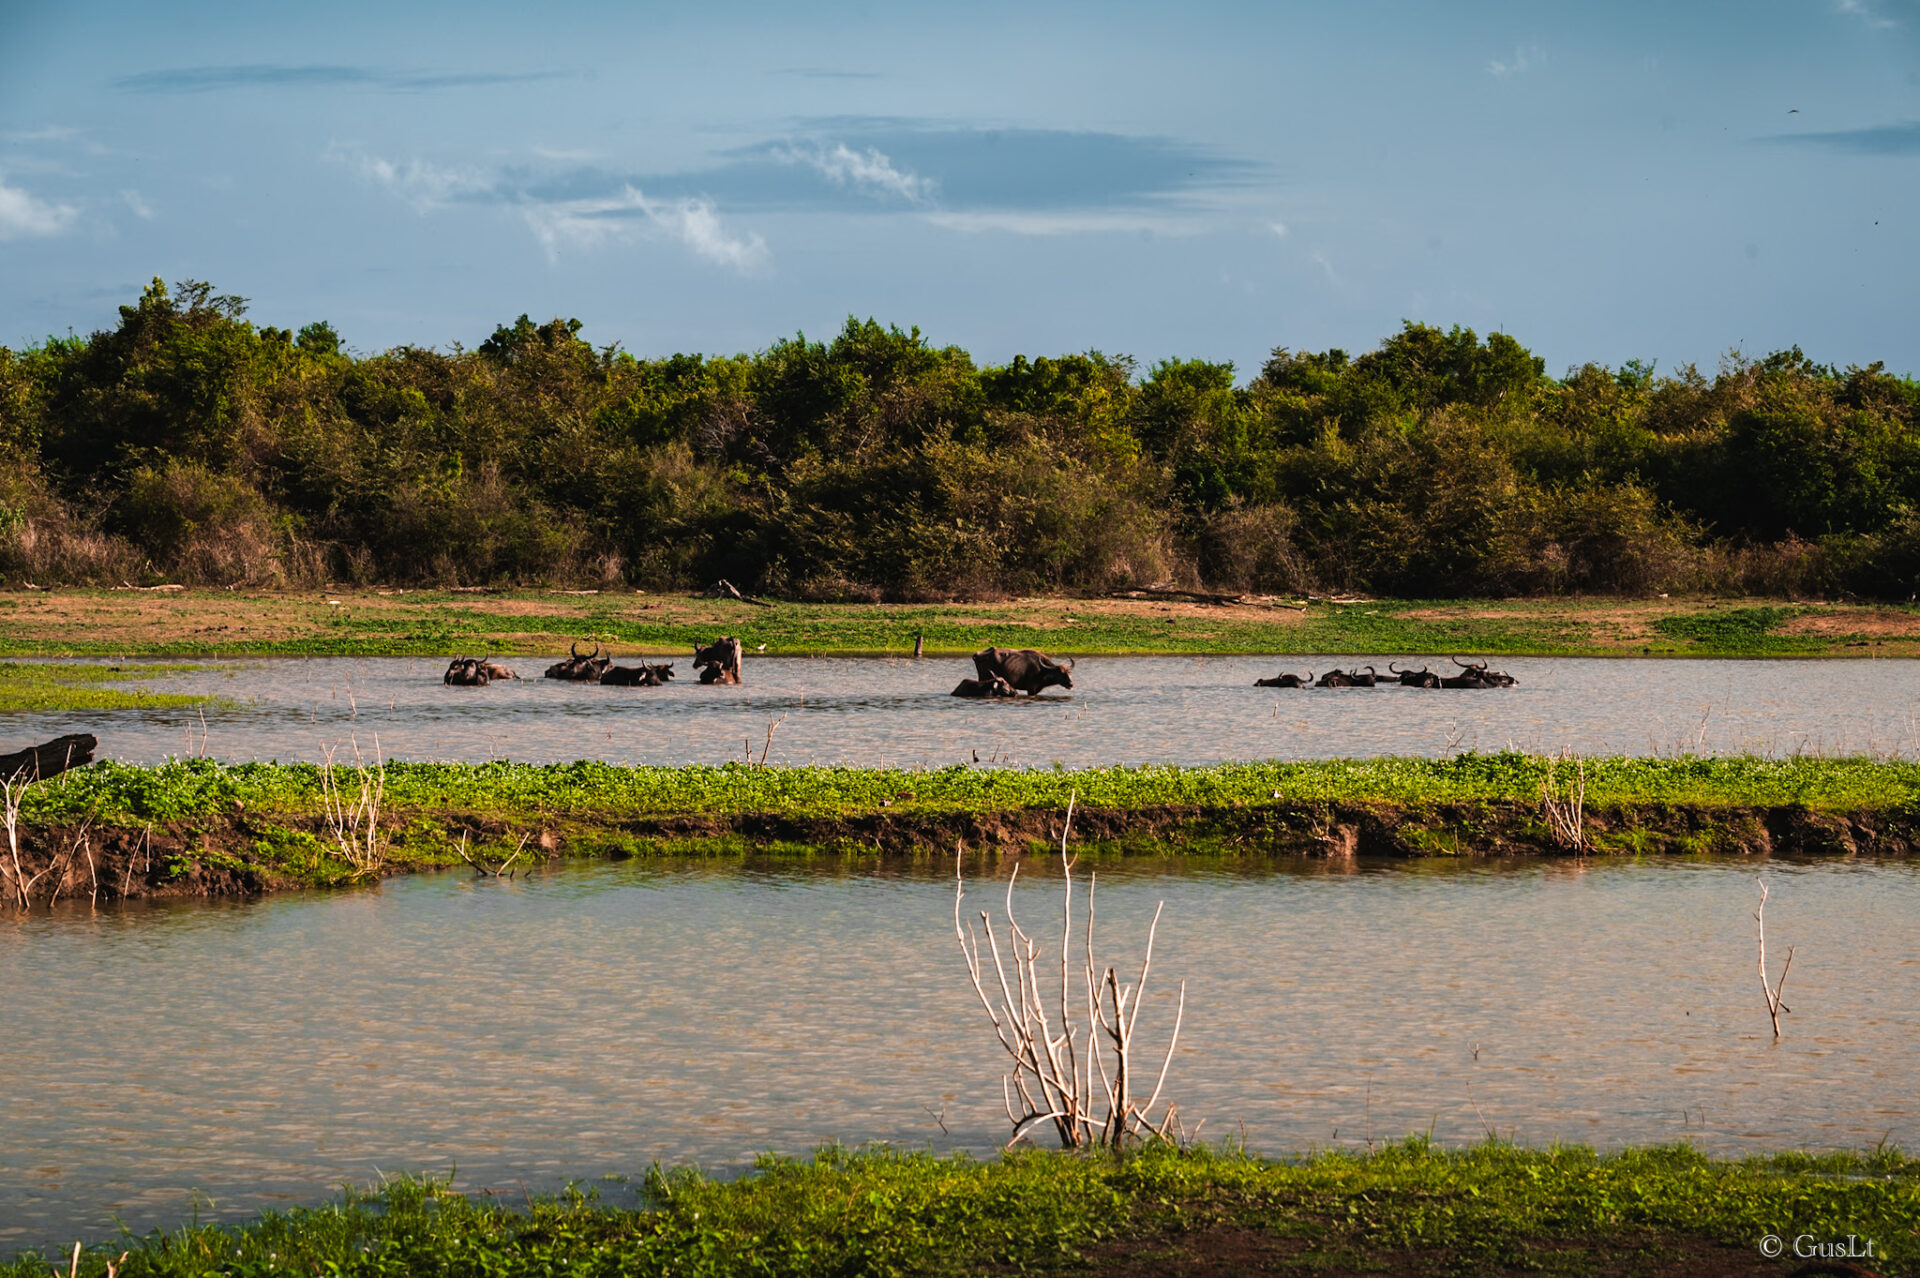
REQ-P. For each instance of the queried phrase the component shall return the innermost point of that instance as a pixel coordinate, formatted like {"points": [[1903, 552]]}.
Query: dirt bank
{"points": [[245, 854]]}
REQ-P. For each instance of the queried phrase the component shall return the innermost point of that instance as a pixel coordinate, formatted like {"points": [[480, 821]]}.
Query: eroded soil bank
{"points": [[239, 853]]}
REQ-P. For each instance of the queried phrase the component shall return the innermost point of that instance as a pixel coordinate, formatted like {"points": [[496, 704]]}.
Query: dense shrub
{"points": [[188, 443]]}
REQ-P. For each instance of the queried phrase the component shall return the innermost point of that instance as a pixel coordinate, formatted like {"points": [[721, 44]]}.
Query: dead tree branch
{"points": [[1055, 1065], [1771, 989]]}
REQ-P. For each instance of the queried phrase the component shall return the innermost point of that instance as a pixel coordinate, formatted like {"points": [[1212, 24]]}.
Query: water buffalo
{"points": [[993, 686], [644, 675], [1474, 674], [1286, 681], [494, 670], [1025, 669], [467, 672], [1349, 678], [579, 669], [1421, 678], [719, 661]]}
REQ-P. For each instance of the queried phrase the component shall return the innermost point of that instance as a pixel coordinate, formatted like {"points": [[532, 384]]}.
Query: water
{"points": [[588, 1021], [1122, 710]]}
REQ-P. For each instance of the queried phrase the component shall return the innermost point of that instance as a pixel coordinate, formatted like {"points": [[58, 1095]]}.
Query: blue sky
{"points": [[1604, 182]]}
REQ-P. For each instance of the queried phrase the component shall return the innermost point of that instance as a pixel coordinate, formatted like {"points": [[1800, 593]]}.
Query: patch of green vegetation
{"points": [[28, 687], [1740, 632], [1492, 1208], [181, 790]]}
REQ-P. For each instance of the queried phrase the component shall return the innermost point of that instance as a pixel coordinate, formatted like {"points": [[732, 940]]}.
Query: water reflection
{"points": [[1122, 710], [592, 1020]]}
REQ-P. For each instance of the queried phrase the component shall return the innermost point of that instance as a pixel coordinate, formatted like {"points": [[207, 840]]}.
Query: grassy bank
{"points": [[195, 827], [376, 623], [1410, 1208]]}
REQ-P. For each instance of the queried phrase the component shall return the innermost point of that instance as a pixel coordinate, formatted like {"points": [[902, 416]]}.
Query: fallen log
{"points": [[75, 750], [1161, 592]]}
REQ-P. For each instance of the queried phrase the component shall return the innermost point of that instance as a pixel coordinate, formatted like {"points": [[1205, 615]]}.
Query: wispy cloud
{"points": [[582, 211], [422, 185], [694, 224], [24, 215], [1866, 12], [868, 170], [1278, 228], [1524, 59], [270, 75], [1881, 139], [137, 205]]}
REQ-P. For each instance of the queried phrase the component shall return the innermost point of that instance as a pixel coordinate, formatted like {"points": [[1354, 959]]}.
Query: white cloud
{"points": [[870, 170], [23, 214], [421, 185], [1524, 59], [1865, 12], [694, 224], [1020, 222], [1278, 228], [585, 223], [137, 205]]}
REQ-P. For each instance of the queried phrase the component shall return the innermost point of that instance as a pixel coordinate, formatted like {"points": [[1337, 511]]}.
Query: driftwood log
{"points": [[1163, 592], [74, 750]]}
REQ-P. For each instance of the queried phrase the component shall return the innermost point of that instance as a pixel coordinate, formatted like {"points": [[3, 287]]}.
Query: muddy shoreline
{"points": [[244, 854]]}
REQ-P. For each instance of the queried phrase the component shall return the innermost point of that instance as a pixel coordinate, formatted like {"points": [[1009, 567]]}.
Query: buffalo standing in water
{"points": [[719, 661], [1024, 669], [1421, 678], [579, 669], [1286, 681], [644, 675], [1349, 678]]}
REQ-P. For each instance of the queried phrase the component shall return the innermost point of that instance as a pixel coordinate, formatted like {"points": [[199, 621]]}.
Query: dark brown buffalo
{"points": [[579, 669], [494, 670], [644, 675], [719, 661], [984, 688], [1421, 678], [466, 672], [1349, 678], [1474, 674], [1286, 681], [1025, 669]]}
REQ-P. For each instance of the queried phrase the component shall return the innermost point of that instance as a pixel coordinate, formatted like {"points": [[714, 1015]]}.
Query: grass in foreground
{"points": [[376, 623], [45, 687], [1409, 1208]]}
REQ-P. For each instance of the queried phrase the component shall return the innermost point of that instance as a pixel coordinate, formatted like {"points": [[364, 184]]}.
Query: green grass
{"points": [[1410, 1207], [42, 687], [190, 789], [425, 623], [1741, 632]]}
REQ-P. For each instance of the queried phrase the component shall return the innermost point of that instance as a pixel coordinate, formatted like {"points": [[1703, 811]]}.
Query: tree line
{"points": [[188, 444]]}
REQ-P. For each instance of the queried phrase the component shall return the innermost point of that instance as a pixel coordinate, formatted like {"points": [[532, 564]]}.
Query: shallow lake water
{"points": [[588, 1021], [1121, 710]]}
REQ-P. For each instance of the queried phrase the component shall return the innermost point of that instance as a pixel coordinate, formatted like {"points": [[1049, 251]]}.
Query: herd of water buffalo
{"points": [[998, 672], [717, 662], [1473, 674]]}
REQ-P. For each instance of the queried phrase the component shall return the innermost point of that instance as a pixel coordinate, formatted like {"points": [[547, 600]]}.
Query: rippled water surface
{"points": [[592, 1020], [1121, 710]]}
